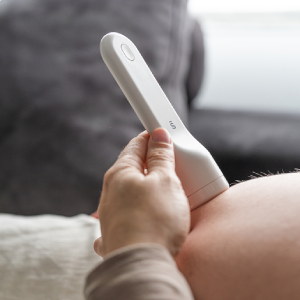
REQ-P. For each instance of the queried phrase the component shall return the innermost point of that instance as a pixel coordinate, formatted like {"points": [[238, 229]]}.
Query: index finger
{"points": [[134, 154]]}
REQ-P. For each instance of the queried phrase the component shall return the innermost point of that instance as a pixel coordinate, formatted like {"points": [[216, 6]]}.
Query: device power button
{"points": [[127, 52]]}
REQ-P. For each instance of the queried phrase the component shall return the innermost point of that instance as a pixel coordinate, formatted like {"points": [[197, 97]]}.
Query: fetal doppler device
{"points": [[200, 176]]}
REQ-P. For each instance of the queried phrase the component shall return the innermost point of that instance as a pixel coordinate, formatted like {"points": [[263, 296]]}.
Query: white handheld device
{"points": [[200, 176]]}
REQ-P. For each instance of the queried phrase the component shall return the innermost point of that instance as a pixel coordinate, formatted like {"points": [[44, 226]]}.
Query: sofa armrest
{"points": [[196, 68], [246, 142]]}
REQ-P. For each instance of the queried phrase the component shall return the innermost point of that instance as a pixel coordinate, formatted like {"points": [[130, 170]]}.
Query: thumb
{"points": [[160, 154]]}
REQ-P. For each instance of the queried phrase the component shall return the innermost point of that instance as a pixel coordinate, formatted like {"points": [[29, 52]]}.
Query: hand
{"points": [[139, 206]]}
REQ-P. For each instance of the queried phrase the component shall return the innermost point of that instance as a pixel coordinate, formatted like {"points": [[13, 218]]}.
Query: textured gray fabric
{"points": [[137, 272], [247, 142], [196, 71], [63, 119]]}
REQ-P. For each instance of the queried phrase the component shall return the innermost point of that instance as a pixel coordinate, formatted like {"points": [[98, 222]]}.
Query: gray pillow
{"points": [[63, 118]]}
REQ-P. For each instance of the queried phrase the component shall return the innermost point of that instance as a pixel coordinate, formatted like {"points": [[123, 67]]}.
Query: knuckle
{"points": [[133, 145], [115, 172], [170, 178], [120, 181], [160, 154], [175, 183], [108, 176], [129, 160], [167, 180]]}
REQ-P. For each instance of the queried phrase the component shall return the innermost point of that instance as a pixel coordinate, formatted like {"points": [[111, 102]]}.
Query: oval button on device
{"points": [[128, 53]]}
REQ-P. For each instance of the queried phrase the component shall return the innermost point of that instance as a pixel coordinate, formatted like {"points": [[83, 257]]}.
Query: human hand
{"points": [[143, 207]]}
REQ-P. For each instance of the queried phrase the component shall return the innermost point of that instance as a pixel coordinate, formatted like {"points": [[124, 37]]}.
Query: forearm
{"points": [[138, 273]]}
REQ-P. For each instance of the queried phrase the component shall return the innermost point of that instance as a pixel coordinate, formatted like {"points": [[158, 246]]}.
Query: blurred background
{"points": [[230, 68], [252, 54]]}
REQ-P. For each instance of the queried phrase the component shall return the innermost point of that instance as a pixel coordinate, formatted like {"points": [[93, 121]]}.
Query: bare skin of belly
{"points": [[245, 243]]}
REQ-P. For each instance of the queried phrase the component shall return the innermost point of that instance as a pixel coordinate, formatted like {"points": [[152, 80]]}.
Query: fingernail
{"points": [[161, 136]]}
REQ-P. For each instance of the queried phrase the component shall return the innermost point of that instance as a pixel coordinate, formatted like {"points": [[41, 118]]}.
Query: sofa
{"points": [[64, 120]]}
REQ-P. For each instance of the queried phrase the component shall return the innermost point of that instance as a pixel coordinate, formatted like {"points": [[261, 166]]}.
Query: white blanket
{"points": [[46, 257]]}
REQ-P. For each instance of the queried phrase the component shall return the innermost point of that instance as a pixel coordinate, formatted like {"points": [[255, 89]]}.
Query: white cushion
{"points": [[46, 257]]}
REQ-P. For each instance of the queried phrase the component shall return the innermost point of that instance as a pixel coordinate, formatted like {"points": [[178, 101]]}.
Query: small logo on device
{"points": [[172, 125]]}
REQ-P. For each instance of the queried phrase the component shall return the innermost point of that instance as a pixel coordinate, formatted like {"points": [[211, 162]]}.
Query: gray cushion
{"points": [[63, 118], [246, 142]]}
